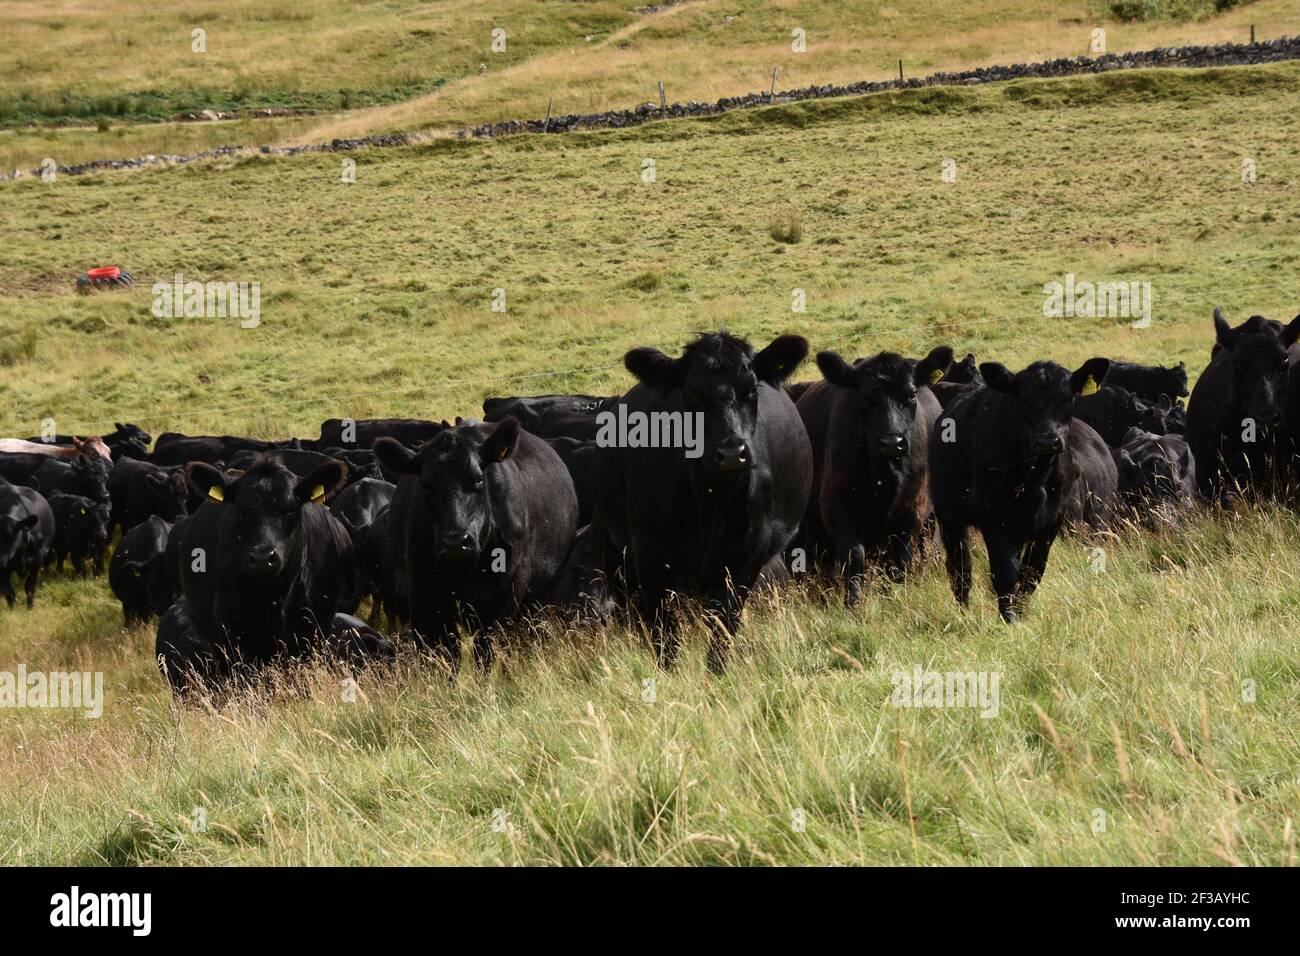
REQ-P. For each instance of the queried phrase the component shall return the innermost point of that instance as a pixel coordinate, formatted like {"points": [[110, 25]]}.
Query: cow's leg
{"points": [[850, 555], [901, 552], [1004, 563], [99, 560], [724, 621], [79, 562], [33, 569], [1032, 566], [7, 586], [956, 546], [651, 601]]}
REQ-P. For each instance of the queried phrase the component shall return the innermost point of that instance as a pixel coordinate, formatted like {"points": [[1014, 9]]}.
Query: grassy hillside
{"points": [[1122, 689], [411, 65]]}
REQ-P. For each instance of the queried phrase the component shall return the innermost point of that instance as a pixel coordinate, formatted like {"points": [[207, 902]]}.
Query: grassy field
{"points": [[419, 66], [1126, 733]]}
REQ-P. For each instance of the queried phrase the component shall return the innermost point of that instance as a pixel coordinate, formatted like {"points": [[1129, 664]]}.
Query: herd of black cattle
{"points": [[254, 551]]}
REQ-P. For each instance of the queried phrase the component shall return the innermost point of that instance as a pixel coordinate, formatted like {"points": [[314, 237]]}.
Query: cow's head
{"points": [[92, 473], [95, 515], [268, 501], [885, 390], [965, 372], [170, 493], [1152, 467], [151, 572], [718, 376], [1258, 353], [131, 433], [1147, 416], [1044, 394], [455, 470], [1173, 381], [13, 536]]}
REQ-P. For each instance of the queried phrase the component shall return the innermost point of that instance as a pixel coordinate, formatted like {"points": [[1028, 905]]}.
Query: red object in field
{"points": [[106, 272]]}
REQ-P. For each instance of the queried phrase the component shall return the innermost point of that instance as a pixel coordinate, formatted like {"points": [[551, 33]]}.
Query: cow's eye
{"points": [[478, 484], [911, 399]]}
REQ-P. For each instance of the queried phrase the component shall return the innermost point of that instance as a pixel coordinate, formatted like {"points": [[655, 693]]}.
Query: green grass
{"points": [[397, 65], [1122, 691]]}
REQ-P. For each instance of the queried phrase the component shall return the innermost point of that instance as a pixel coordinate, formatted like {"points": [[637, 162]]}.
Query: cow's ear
{"points": [[1224, 335], [503, 441], [395, 456], [998, 377], [655, 369], [835, 370], [1291, 332], [1089, 376], [207, 481], [933, 367], [1131, 434], [1165, 404], [326, 480], [779, 360], [158, 481], [1185, 461]]}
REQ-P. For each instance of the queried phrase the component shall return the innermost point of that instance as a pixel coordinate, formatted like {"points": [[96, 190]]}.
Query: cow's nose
{"points": [[733, 456], [1049, 443], [457, 542], [892, 446], [263, 558]]}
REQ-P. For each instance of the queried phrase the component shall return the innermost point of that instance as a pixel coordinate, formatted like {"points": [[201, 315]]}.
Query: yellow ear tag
{"points": [[936, 375], [1090, 386], [501, 455], [216, 493], [318, 494]]}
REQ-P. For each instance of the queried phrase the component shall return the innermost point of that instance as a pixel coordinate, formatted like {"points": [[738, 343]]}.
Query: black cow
{"points": [[479, 529], [869, 425], [552, 416], [275, 565], [703, 526], [1149, 382], [577, 456], [137, 572], [375, 567], [356, 507], [1001, 461], [1176, 420], [1235, 422], [959, 377], [1112, 411], [1094, 494], [140, 489], [173, 448], [127, 441], [1157, 476], [363, 432], [26, 536], [80, 475], [80, 530]]}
